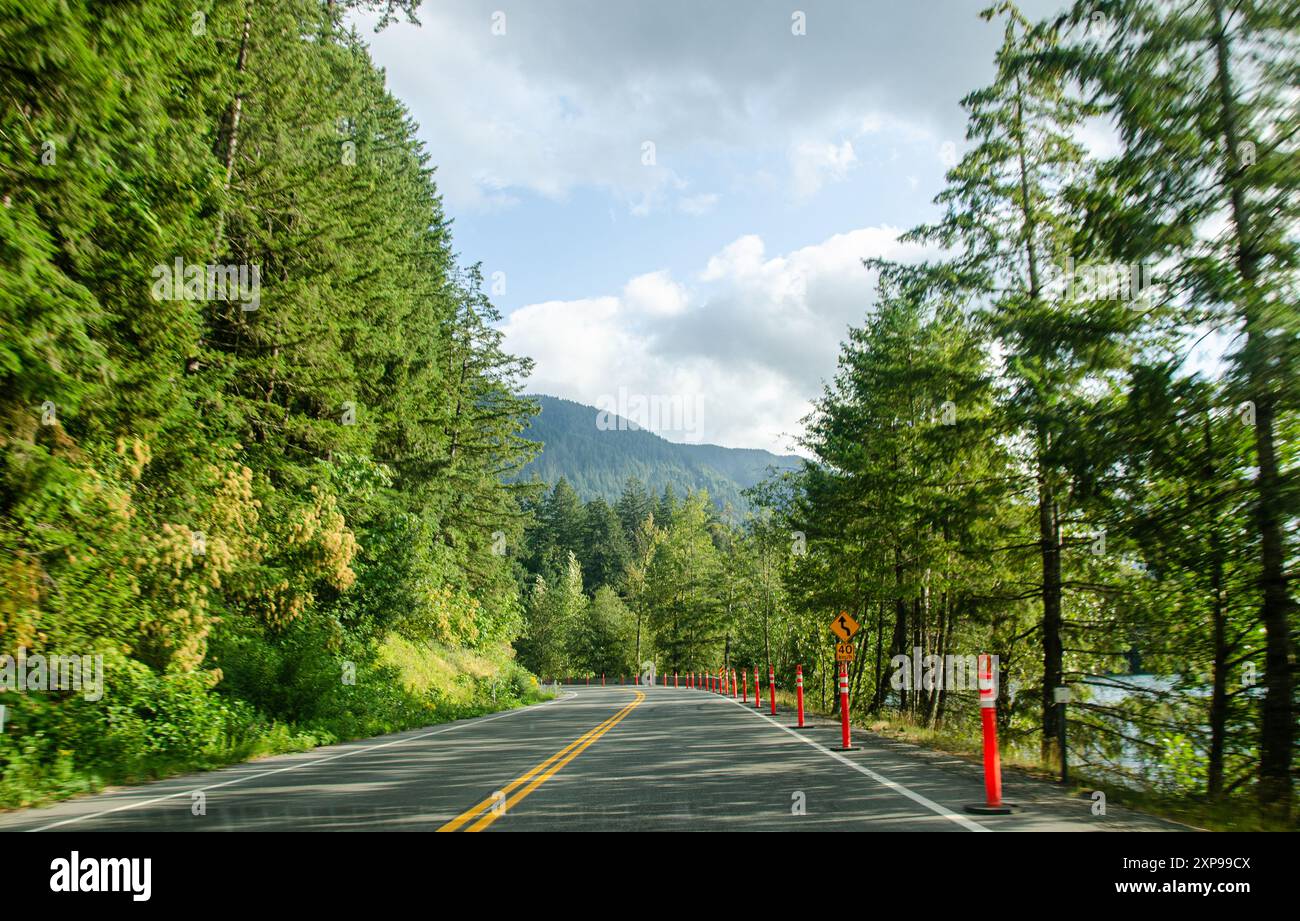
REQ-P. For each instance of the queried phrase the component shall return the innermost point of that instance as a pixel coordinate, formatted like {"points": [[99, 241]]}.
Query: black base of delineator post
{"points": [[986, 809]]}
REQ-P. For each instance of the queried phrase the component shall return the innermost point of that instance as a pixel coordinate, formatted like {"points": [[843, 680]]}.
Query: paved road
{"points": [[614, 758]]}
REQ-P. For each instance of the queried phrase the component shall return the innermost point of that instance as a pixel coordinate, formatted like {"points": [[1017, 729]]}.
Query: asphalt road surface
{"points": [[612, 758]]}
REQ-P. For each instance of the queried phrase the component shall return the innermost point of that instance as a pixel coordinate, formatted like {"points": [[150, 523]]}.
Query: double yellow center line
{"points": [[500, 802]]}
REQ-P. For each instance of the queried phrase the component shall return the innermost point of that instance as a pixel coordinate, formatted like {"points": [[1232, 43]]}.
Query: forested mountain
{"points": [[598, 461]]}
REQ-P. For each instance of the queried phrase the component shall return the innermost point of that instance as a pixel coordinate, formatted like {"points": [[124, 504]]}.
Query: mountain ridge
{"points": [[597, 461]]}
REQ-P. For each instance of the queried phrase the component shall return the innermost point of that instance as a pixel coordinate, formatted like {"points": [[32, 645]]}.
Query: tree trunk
{"points": [[229, 138], [1048, 529], [1219, 694], [1277, 724], [1049, 542], [878, 697], [1218, 623], [946, 619], [899, 641]]}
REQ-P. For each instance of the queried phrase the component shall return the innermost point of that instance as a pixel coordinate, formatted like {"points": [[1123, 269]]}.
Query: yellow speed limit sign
{"points": [[844, 652]]}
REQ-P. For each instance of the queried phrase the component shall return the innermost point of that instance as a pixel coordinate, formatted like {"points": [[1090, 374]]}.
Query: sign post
{"points": [[844, 626], [845, 742], [1061, 696]]}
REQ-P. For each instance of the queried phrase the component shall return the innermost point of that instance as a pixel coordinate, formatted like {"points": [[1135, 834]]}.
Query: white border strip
{"points": [[878, 778], [293, 767]]}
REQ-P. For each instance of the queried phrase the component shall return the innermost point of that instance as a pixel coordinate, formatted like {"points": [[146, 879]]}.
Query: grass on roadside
{"points": [[1239, 813], [153, 727]]}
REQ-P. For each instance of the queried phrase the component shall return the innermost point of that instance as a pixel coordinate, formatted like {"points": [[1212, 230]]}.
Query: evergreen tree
{"points": [[634, 507], [681, 591], [605, 550], [1004, 209], [1203, 98]]}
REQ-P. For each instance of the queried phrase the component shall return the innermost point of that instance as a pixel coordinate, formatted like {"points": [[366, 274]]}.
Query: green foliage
{"points": [[554, 613], [236, 500], [603, 637]]}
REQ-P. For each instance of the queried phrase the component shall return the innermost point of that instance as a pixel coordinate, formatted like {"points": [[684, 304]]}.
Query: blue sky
{"points": [[726, 268]]}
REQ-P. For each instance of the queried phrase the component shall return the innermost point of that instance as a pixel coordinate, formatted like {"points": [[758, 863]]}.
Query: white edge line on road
{"points": [[293, 767], [878, 778]]}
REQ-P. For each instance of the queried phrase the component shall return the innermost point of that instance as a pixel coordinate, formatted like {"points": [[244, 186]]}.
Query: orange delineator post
{"points": [[744, 686], [798, 691], [758, 691], [993, 803], [734, 693], [675, 679], [771, 686], [989, 718], [844, 706]]}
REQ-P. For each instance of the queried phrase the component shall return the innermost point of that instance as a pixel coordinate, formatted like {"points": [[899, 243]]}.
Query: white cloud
{"points": [[741, 257], [813, 163], [751, 336], [654, 295], [565, 98], [698, 204]]}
